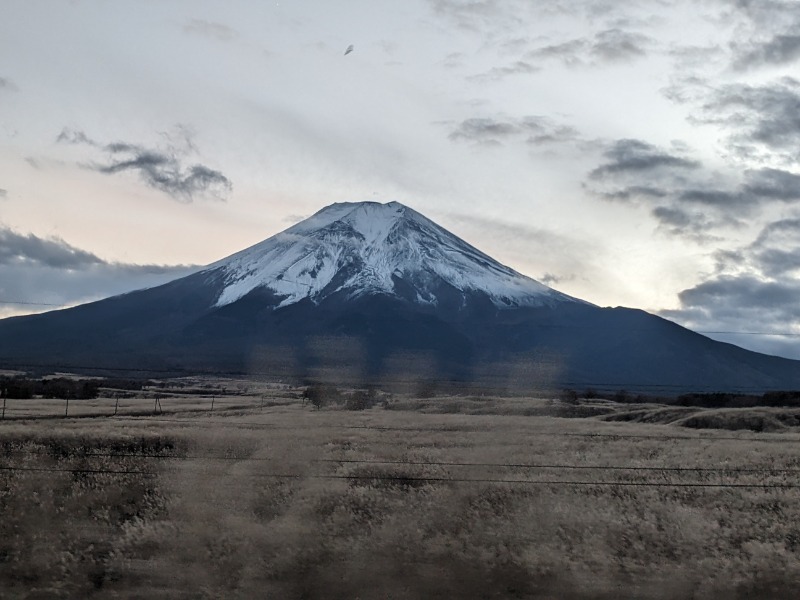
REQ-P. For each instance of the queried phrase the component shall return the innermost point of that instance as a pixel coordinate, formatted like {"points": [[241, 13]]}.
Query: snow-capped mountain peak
{"points": [[364, 248]]}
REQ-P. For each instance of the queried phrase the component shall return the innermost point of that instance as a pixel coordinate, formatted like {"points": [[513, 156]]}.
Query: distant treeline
{"points": [[719, 400], [63, 387], [702, 400]]}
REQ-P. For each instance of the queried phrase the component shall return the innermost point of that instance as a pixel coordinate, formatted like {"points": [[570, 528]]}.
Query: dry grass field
{"points": [[265, 497]]}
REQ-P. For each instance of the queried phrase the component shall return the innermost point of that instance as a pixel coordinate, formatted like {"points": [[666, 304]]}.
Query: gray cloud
{"points": [[779, 50], [535, 130], [685, 198], [160, 169], [71, 136], [730, 296], [7, 85], [773, 184], [608, 46], [3, 193], [648, 173], [211, 29], [496, 73], [16, 248], [737, 307], [51, 271], [713, 197], [616, 45], [693, 56], [759, 186], [570, 52], [483, 130], [476, 15], [634, 193], [752, 288], [766, 33], [677, 221], [491, 17], [673, 217], [760, 118], [635, 156], [775, 252], [453, 60]]}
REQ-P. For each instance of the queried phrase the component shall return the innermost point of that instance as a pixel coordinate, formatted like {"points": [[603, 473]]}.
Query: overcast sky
{"points": [[639, 153]]}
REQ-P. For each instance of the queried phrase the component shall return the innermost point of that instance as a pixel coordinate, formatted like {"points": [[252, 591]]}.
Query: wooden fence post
{"points": [[212, 403], [66, 410], [116, 404], [5, 395]]}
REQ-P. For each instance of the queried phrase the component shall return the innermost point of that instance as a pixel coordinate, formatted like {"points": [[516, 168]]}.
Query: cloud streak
{"points": [[519, 67], [533, 130], [604, 47], [159, 169], [635, 156], [210, 29]]}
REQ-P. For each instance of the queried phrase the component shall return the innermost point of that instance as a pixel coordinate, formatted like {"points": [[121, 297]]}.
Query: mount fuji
{"points": [[354, 250], [377, 292]]}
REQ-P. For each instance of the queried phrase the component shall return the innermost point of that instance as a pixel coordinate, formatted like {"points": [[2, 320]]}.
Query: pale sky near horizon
{"points": [[639, 153]]}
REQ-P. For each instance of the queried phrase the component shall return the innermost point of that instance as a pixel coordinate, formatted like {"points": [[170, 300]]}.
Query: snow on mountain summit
{"points": [[360, 248]]}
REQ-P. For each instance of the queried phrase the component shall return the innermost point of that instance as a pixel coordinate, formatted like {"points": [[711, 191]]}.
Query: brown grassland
{"points": [[267, 497]]}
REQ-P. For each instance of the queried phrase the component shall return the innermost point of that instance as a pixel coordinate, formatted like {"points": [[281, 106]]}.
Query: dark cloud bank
{"points": [[51, 271], [162, 170]]}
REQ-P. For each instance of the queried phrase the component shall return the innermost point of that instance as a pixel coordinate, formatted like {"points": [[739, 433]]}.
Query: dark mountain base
{"points": [[377, 339]]}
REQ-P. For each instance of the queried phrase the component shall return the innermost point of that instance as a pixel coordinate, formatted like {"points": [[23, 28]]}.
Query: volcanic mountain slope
{"points": [[377, 291]]}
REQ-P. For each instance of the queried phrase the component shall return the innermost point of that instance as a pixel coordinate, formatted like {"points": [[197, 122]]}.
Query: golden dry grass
{"points": [[292, 502]]}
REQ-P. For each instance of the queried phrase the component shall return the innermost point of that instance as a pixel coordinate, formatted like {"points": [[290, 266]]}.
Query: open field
{"points": [[414, 498]]}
